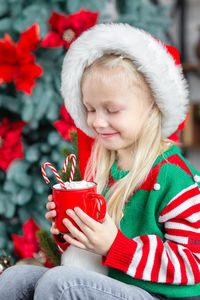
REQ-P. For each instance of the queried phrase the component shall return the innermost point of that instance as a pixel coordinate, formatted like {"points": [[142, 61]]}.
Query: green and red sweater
{"points": [[158, 244]]}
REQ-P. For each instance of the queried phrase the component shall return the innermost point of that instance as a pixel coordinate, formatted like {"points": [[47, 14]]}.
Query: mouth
{"points": [[106, 136]]}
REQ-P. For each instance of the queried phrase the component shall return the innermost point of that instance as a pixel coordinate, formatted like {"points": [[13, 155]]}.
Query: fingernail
{"points": [[69, 211]]}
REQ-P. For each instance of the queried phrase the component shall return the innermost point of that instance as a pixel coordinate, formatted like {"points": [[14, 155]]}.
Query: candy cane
{"points": [[55, 173], [73, 156]]}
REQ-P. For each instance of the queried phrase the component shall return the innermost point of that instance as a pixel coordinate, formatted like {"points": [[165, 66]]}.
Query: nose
{"points": [[99, 121]]}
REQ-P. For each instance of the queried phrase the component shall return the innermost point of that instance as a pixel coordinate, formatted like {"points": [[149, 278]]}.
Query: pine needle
{"points": [[48, 245]]}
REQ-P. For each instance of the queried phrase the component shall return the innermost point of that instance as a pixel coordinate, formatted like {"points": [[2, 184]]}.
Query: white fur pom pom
{"points": [[83, 259]]}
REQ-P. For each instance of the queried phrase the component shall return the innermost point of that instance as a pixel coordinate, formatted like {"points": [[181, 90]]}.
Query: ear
{"points": [[84, 149]]}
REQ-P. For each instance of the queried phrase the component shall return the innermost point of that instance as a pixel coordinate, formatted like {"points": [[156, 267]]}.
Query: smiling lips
{"points": [[107, 135]]}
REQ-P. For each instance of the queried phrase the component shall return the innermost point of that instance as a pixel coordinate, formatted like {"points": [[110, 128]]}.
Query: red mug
{"points": [[93, 204]]}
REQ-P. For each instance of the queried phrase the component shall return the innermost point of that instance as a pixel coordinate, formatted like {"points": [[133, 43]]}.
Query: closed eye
{"points": [[90, 110], [111, 111]]}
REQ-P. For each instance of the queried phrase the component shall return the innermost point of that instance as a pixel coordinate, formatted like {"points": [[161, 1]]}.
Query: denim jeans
{"points": [[61, 283]]}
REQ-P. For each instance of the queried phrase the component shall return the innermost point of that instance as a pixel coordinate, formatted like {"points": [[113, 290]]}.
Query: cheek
{"points": [[89, 120]]}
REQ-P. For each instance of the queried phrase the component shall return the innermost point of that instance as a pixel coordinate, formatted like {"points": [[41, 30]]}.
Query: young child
{"points": [[125, 89]]}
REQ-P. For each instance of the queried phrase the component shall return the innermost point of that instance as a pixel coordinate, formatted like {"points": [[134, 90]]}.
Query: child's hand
{"points": [[95, 237], [51, 214]]}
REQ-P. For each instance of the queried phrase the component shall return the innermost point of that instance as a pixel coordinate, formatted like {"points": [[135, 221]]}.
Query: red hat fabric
{"points": [[159, 64]]}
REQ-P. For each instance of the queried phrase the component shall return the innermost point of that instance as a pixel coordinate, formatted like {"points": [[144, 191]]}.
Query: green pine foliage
{"points": [[49, 246], [67, 151]]}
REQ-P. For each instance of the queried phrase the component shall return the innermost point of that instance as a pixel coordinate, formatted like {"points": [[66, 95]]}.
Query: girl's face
{"points": [[115, 109]]}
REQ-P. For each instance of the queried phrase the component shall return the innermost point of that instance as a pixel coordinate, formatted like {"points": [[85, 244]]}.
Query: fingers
{"points": [[50, 197], [50, 205], [80, 236], [53, 230], [74, 242], [50, 215], [83, 218]]}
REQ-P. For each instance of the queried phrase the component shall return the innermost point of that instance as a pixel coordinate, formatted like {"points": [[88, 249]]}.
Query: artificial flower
{"points": [[17, 63], [65, 125], [11, 147], [65, 29], [27, 245]]}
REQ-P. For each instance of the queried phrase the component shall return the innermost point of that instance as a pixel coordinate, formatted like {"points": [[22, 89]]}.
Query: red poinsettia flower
{"points": [[17, 63], [65, 125], [11, 146], [65, 29], [27, 246]]}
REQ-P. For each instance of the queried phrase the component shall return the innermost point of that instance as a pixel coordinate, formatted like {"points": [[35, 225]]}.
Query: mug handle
{"points": [[99, 206]]}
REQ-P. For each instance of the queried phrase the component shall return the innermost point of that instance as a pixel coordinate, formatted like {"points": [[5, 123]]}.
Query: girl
{"points": [[125, 89]]}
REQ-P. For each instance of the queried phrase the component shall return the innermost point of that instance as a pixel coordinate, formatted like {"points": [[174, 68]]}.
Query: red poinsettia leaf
{"points": [[7, 73], [18, 125], [26, 246], [25, 78], [11, 145], [4, 126], [65, 125], [83, 20], [9, 154], [52, 40], [72, 25], [8, 50], [11, 139], [79, 22], [91, 18], [29, 39], [63, 129], [30, 228], [3, 164], [15, 58], [57, 22], [21, 248], [18, 241], [7, 38]]}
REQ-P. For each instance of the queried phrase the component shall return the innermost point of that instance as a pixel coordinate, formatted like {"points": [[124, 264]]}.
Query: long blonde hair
{"points": [[146, 149]]}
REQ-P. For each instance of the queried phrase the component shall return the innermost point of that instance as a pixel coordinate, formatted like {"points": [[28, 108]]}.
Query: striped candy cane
{"points": [[73, 156], [55, 173]]}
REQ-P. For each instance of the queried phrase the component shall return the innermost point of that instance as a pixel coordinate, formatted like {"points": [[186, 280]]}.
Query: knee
{"points": [[21, 273], [13, 272], [52, 284], [53, 277]]}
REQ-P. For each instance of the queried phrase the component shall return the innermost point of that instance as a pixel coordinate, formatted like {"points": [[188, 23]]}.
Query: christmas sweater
{"points": [[157, 246]]}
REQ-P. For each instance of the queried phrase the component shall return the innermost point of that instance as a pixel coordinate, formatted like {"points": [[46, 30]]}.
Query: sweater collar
{"points": [[117, 174]]}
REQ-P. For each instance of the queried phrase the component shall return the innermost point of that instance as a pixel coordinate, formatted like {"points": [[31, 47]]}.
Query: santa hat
{"points": [[159, 63]]}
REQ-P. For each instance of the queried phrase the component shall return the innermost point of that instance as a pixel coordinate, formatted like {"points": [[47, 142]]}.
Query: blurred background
{"points": [[34, 125]]}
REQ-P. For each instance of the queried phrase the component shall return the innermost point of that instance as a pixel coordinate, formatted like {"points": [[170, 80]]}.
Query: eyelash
{"points": [[110, 112]]}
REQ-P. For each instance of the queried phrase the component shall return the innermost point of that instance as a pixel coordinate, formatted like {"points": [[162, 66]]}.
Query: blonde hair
{"points": [[146, 148]]}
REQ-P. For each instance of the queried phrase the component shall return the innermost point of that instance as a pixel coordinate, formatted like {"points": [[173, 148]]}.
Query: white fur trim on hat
{"points": [[152, 59]]}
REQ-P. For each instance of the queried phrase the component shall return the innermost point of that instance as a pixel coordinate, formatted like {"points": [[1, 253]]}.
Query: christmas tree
{"points": [[34, 125]]}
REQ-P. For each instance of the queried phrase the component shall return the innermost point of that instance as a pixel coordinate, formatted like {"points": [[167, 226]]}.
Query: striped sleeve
{"points": [[174, 261]]}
